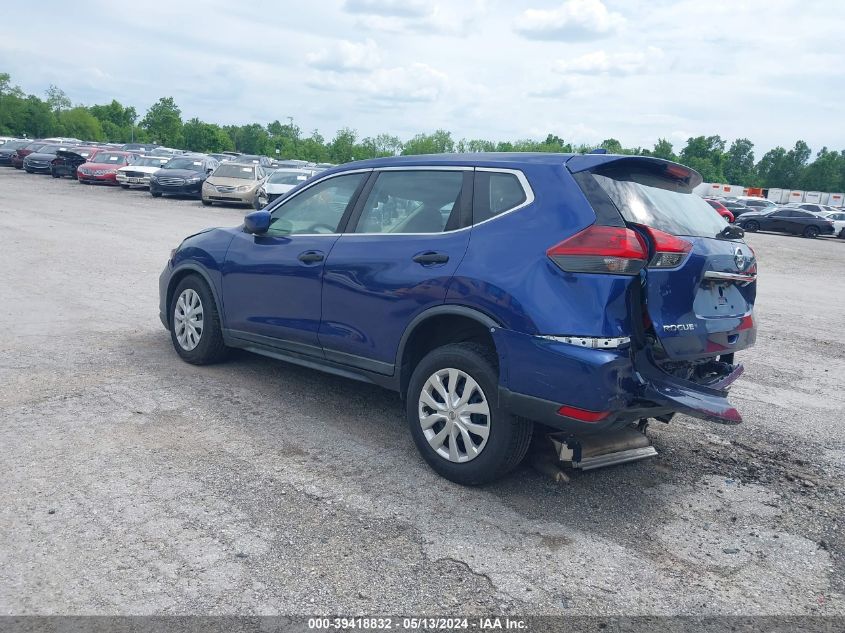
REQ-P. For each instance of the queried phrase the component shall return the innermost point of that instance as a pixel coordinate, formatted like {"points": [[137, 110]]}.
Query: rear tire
{"points": [[206, 203], [195, 329], [752, 226], [811, 232], [507, 436]]}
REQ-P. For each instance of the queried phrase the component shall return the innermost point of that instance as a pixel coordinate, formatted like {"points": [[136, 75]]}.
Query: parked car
{"points": [[102, 166], [137, 173], [182, 176], [752, 202], [138, 148], [41, 161], [812, 208], [279, 183], [255, 159], [10, 147], [720, 208], [736, 208], [458, 281], [68, 161], [6, 139], [837, 217], [786, 220], [233, 182], [22, 152]]}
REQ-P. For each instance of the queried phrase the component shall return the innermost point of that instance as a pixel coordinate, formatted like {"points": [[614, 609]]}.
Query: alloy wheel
{"points": [[454, 415], [188, 319]]}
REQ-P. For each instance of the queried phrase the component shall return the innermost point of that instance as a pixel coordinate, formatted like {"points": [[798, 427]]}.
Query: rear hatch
{"points": [[697, 287]]}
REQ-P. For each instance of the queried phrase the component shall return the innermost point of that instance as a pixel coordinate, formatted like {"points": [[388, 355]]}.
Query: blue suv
{"points": [[495, 292]]}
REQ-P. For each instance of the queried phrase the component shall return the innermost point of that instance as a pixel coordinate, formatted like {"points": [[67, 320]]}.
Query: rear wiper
{"points": [[731, 232]]}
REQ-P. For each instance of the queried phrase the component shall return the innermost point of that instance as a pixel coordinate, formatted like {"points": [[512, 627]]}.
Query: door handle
{"points": [[311, 257], [431, 258]]}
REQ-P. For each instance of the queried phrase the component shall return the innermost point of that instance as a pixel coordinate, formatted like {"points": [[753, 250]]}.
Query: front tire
{"points": [[206, 203], [195, 329], [452, 405], [124, 186], [155, 194], [752, 226], [811, 232]]}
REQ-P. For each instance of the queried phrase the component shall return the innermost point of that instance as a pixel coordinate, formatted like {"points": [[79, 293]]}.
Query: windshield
{"points": [[249, 159], [50, 149], [109, 157], [184, 163], [147, 161], [235, 171], [14, 144], [645, 197], [287, 177]]}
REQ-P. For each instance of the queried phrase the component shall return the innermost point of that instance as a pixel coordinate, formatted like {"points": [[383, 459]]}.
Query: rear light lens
{"points": [[582, 414], [601, 249], [669, 250]]}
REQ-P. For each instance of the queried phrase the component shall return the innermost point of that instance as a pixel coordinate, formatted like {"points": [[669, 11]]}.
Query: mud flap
{"points": [[699, 401]]}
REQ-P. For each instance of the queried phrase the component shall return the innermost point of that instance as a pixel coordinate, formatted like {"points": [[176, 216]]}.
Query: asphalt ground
{"points": [[134, 483]]}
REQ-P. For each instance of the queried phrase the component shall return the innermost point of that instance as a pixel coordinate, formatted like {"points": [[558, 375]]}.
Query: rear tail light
{"points": [[669, 250], [601, 249]]}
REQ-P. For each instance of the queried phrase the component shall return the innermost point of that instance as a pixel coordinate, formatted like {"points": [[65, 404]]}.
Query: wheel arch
{"points": [[178, 275], [437, 326]]}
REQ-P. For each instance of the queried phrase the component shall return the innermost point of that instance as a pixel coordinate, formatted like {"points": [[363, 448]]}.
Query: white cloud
{"points": [[601, 62], [450, 18], [571, 21], [389, 8], [414, 83], [345, 56]]}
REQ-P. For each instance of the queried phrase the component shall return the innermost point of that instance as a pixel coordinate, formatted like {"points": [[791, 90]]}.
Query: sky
{"points": [[772, 71]]}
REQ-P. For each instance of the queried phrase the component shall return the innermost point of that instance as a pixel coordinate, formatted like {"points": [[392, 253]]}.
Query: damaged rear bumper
{"points": [[606, 389]]}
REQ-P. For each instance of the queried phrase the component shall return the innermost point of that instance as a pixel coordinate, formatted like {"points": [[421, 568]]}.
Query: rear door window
{"points": [[495, 193], [414, 201], [645, 195]]}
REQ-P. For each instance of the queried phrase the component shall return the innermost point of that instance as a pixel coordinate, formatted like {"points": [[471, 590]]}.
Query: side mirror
{"points": [[257, 222]]}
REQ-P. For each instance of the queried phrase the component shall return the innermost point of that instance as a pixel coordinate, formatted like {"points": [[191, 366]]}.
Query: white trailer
{"points": [[836, 200], [778, 196], [795, 196], [813, 197]]}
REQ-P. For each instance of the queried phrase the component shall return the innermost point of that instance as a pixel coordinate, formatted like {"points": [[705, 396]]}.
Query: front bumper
{"points": [[213, 194], [36, 168], [187, 189], [104, 178], [133, 181]]}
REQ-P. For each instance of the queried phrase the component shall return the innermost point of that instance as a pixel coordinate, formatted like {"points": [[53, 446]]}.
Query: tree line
{"points": [[54, 115]]}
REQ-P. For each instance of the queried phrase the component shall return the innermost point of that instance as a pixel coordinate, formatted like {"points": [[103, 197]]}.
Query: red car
{"points": [[102, 166], [26, 150], [721, 209]]}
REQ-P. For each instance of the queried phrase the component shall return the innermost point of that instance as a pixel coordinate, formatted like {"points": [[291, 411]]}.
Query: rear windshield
{"points": [[287, 177], [643, 196]]}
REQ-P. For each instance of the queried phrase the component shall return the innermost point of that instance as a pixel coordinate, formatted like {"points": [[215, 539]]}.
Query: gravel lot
{"points": [[133, 483]]}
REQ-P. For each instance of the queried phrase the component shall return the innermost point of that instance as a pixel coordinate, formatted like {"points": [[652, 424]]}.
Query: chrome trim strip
{"points": [[715, 275], [589, 341]]}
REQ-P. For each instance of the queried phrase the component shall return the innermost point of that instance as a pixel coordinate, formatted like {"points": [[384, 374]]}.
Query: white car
{"points": [[838, 219], [137, 173], [279, 183]]}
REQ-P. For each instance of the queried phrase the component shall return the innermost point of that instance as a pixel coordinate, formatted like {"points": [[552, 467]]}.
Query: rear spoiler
{"points": [[589, 162]]}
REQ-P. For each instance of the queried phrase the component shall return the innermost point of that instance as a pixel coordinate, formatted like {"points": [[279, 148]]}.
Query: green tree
{"points": [[825, 173], [163, 122], [739, 163], [440, 142], [663, 149], [79, 123], [342, 147], [772, 169], [117, 120], [612, 146], [57, 99], [705, 154]]}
